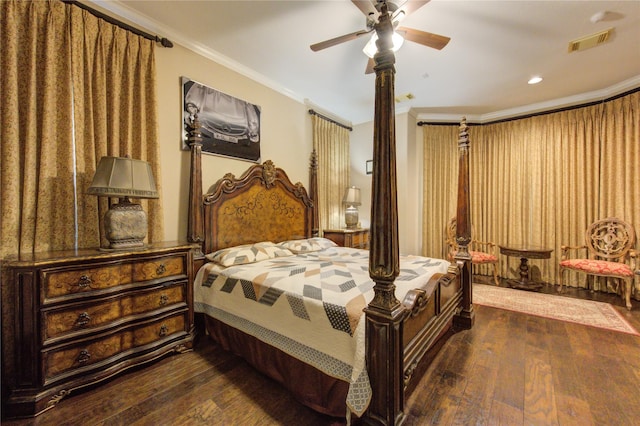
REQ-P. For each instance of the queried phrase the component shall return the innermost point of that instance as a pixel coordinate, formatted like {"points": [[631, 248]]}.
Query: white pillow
{"points": [[307, 245], [248, 253]]}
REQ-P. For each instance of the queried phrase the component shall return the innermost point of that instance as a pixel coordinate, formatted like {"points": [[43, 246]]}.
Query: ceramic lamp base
{"points": [[351, 217], [125, 225]]}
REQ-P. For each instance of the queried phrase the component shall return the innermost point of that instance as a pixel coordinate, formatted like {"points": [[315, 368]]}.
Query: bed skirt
{"points": [[307, 384]]}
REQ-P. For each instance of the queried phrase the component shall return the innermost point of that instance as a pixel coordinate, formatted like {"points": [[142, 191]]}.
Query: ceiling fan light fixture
{"points": [[370, 48]]}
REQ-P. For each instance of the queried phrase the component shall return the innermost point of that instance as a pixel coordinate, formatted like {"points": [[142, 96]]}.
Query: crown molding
{"points": [[560, 103]]}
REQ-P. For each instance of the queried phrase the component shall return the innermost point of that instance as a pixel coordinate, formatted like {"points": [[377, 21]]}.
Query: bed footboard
{"points": [[431, 315]]}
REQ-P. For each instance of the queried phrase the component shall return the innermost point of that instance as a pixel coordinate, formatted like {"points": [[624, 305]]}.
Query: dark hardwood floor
{"points": [[510, 369]]}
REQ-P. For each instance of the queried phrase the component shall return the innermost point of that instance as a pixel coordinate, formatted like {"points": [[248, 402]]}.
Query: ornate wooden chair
{"points": [[608, 252], [481, 252]]}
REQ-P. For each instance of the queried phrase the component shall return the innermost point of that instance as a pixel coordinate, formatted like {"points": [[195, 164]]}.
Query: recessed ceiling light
{"points": [[404, 97], [535, 80]]}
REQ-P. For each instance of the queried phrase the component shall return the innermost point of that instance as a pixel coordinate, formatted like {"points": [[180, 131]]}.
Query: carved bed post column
{"points": [[462, 257], [313, 193], [385, 314], [195, 231]]}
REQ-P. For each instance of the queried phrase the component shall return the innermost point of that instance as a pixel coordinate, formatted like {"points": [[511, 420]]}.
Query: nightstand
{"points": [[354, 238], [82, 316]]}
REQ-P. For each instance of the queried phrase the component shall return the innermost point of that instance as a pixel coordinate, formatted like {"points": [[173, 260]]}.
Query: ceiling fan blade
{"points": [[366, 7], [421, 37], [338, 40], [409, 7], [370, 64]]}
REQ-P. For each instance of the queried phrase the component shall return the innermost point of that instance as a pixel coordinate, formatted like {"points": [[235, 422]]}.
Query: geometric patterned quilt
{"points": [[309, 305]]}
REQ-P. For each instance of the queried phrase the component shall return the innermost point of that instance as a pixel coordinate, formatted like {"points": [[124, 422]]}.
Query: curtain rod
{"points": [[163, 41], [537, 114], [324, 117]]}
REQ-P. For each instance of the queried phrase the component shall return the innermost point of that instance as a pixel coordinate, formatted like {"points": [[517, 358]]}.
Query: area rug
{"points": [[586, 312]]}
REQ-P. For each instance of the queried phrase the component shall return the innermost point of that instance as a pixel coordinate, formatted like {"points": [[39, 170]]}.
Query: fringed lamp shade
{"points": [[125, 223]]}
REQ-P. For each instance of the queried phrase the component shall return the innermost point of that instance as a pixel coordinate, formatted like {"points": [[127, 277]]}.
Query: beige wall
{"points": [[286, 134], [286, 139], [409, 176]]}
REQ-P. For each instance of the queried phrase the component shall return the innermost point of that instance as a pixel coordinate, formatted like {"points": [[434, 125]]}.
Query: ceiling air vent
{"points": [[589, 41]]}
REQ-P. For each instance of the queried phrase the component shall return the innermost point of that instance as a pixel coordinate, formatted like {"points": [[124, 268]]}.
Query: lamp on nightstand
{"points": [[351, 200], [125, 223]]}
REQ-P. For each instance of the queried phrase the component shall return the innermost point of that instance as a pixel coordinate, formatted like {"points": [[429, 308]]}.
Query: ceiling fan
{"points": [[372, 10]]}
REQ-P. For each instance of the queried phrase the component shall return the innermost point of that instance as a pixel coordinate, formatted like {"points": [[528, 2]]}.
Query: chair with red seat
{"points": [[481, 252], [608, 252]]}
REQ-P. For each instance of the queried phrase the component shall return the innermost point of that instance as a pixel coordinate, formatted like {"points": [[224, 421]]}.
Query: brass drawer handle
{"points": [[83, 319], [163, 330], [84, 281], [161, 269], [163, 299], [84, 357]]}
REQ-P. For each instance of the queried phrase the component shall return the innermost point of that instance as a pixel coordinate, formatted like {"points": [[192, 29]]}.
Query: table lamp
{"points": [[125, 223], [351, 200]]}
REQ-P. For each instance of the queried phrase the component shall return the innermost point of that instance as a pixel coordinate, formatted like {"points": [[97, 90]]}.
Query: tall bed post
{"points": [[313, 193], [384, 315], [195, 231], [466, 317]]}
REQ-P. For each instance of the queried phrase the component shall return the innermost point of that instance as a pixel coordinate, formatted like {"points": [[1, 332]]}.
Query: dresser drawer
{"points": [[360, 239], [67, 283], [159, 268], [103, 350], [58, 283], [78, 319]]}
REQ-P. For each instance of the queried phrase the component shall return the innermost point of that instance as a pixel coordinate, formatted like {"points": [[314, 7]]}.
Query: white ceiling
{"points": [[495, 47]]}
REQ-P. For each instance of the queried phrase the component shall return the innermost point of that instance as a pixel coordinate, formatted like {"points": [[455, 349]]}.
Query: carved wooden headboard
{"points": [[260, 205]]}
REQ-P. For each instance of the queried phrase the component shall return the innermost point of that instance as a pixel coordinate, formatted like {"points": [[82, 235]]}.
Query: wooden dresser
{"points": [[83, 316], [354, 238]]}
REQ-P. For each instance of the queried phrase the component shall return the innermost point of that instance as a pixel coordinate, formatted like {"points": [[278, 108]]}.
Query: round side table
{"points": [[525, 253]]}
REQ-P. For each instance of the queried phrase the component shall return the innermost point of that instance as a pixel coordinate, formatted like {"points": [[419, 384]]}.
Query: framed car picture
{"points": [[230, 127]]}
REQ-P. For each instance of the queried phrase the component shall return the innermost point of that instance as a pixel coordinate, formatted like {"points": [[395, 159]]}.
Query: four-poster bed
{"points": [[262, 206]]}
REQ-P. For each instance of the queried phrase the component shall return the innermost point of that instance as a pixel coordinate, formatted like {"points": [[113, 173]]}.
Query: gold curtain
{"points": [[540, 180], [440, 153], [331, 143], [115, 113], [620, 165], [36, 134], [74, 88]]}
